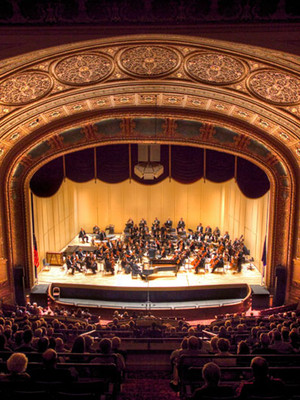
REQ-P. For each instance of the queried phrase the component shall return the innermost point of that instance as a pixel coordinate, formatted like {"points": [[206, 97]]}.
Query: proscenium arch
{"points": [[181, 78]]}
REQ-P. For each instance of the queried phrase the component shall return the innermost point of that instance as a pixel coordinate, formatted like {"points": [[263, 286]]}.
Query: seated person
{"points": [[108, 265], [91, 264], [72, 265], [125, 265], [102, 235], [107, 356], [16, 365], [261, 384], [180, 225], [96, 229], [211, 374], [49, 371], [168, 223], [136, 269], [83, 236]]}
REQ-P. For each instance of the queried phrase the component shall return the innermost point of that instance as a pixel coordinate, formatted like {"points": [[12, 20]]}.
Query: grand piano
{"points": [[160, 265]]}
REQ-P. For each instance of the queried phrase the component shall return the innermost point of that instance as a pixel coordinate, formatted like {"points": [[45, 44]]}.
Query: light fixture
{"points": [[149, 167]]}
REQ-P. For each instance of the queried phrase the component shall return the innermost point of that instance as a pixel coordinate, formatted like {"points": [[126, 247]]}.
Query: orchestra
{"points": [[203, 249]]}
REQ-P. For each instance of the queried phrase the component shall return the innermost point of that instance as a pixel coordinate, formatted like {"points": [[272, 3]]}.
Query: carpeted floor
{"points": [[147, 389]]}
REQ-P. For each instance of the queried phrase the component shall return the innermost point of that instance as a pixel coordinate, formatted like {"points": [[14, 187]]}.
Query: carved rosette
{"points": [[83, 69], [149, 61], [214, 68], [25, 88], [275, 87]]}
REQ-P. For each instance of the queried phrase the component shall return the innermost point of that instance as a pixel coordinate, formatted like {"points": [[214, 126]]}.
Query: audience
{"points": [[44, 333]]}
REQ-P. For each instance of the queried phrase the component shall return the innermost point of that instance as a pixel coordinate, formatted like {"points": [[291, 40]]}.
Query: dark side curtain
{"points": [[112, 166]]}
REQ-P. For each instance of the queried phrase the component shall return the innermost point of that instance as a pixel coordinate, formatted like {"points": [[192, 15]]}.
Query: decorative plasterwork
{"points": [[25, 88], [149, 61], [214, 68], [83, 69], [275, 87]]}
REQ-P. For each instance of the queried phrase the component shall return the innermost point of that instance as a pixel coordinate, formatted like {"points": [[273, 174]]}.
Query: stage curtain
{"points": [[252, 181], [47, 180], [187, 166], [219, 166], [80, 165], [113, 163]]}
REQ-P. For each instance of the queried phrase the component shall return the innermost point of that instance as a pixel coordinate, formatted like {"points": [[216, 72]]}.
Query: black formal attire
{"points": [[168, 224], [91, 264], [136, 270], [220, 264], [108, 266]]}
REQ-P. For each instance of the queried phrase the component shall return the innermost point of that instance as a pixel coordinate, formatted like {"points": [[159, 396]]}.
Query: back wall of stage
{"points": [[59, 218]]}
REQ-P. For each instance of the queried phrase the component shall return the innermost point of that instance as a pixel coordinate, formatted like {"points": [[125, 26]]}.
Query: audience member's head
{"points": [[211, 374], [193, 343], [223, 345], [50, 358], [42, 344], [243, 348], [17, 363], [214, 344], [259, 368], [78, 345], [105, 346], [115, 343]]}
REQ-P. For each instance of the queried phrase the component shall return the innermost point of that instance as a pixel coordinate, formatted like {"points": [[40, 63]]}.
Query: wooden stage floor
{"points": [[186, 277]]}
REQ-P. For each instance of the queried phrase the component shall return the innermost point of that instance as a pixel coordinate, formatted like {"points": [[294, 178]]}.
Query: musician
{"points": [[199, 263], [102, 235], [129, 223], [240, 257], [180, 225], [83, 236], [96, 229], [108, 265], [136, 269], [91, 264], [142, 223], [216, 232], [226, 236], [200, 228], [72, 264], [217, 263], [81, 255], [168, 223], [125, 265], [208, 230]]}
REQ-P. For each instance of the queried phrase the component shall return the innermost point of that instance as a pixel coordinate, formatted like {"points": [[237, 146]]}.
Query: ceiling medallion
{"points": [[25, 88], [149, 61], [275, 87], [215, 68], [83, 69]]}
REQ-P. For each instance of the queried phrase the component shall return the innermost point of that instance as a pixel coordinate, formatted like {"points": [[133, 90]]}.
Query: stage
{"points": [[161, 291]]}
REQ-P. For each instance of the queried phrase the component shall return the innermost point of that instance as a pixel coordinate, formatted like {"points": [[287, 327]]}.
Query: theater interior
{"points": [[205, 94]]}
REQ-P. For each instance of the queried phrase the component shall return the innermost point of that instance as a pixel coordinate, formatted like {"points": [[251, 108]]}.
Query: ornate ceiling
{"points": [[223, 81]]}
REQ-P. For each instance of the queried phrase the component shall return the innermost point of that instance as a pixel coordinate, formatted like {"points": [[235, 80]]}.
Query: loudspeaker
{"points": [[260, 297], [39, 295], [280, 285], [19, 285]]}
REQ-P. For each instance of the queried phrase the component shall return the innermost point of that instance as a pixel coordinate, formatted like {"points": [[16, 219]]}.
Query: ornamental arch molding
{"points": [[247, 100]]}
